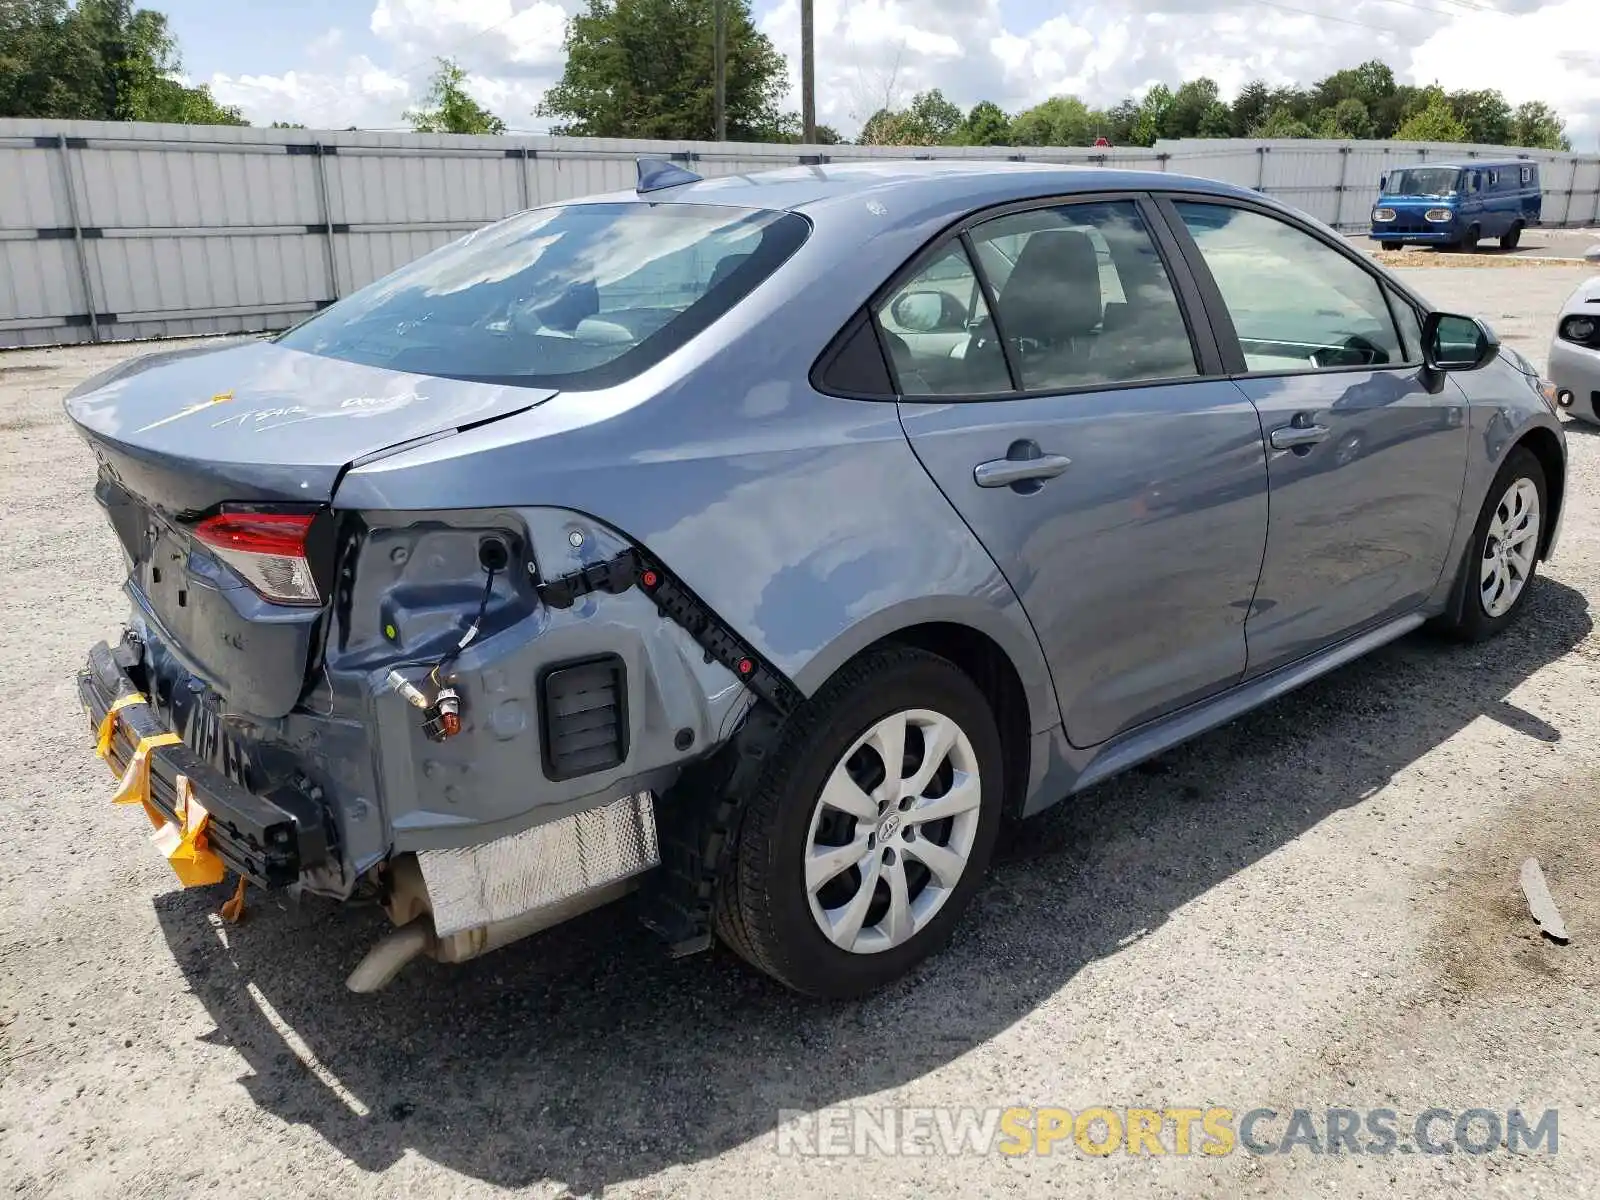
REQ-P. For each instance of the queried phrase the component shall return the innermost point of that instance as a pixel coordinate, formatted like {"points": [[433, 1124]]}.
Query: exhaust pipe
{"points": [[394, 950], [488, 896]]}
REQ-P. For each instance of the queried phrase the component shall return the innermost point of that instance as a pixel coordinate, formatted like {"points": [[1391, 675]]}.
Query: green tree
{"points": [[1282, 123], [1249, 108], [47, 62], [1118, 122], [1196, 111], [935, 118], [1436, 123], [644, 69], [788, 129], [1153, 115], [1537, 124], [1485, 115], [1059, 121], [447, 108], [986, 125], [929, 120], [101, 60], [1347, 119], [1372, 83]]}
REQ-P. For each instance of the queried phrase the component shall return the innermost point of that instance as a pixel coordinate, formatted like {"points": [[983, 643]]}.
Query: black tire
{"points": [[1393, 246], [1474, 624], [1510, 238], [763, 910], [1470, 240]]}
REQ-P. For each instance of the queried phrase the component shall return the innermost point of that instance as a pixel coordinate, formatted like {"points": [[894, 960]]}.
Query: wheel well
{"points": [[987, 665], [1547, 449]]}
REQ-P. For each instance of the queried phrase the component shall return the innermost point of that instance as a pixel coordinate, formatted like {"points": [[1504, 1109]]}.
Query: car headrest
{"points": [[1054, 290], [725, 267]]}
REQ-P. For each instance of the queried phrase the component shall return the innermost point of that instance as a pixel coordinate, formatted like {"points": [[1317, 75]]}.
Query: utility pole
{"points": [[808, 78], [720, 66]]}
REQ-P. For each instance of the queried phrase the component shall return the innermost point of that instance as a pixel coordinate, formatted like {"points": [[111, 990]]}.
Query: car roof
{"points": [[1477, 162], [956, 183]]}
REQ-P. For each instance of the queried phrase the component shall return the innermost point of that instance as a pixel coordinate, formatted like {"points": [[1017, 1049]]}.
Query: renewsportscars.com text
{"points": [[1102, 1130]]}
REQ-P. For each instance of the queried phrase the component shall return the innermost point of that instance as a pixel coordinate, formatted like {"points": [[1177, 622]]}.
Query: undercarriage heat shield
{"points": [[540, 867]]}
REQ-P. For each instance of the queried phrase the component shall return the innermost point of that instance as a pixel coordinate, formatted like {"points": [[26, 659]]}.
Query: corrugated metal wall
{"points": [[115, 231]]}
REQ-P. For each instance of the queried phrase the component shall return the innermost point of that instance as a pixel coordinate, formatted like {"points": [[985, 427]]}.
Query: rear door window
{"points": [[577, 296], [1084, 299]]}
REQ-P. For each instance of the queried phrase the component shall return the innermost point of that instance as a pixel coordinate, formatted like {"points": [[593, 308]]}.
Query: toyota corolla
{"points": [[754, 547]]}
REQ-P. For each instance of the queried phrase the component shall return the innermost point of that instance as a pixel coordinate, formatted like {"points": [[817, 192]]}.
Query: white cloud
{"points": [[1520, 55], [491, 35], [361, 93], [873, 51], [325, 44]]}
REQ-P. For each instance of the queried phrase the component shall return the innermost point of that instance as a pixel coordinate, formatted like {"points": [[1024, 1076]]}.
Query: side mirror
{"points": [[928, 312], [1383, 183], [1456, 343]]}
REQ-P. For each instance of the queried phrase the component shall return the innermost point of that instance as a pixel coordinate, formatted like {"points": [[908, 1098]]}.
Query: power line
{"points": [[450, 50], [1321, 16]]}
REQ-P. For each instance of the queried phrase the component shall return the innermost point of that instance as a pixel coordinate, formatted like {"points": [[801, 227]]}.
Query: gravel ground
{"points": [[1315, 906], [1535, 244]]}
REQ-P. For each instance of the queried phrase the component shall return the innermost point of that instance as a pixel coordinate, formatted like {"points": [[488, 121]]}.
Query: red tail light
{"points": [[268, 549]]}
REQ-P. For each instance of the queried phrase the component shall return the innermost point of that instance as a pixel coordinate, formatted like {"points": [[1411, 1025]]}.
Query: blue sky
{"points": [[335, 63]]}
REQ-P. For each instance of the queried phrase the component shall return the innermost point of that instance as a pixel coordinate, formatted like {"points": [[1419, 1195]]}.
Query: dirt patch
{"points": [[1403, 258], [1486, 940]]}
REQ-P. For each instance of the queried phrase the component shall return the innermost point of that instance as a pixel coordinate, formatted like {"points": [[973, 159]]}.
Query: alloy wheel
{"points": [[1509, 548], [892, 831]]}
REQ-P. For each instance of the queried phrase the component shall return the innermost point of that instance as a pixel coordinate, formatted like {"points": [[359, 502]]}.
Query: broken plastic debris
{"points": [[1540, 903], [233, 908]]}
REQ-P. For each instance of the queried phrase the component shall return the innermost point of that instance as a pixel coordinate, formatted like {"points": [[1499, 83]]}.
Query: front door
{"points": [[1117, 479], [1366, 463]]}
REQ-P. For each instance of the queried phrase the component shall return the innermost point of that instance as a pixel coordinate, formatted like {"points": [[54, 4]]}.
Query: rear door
{"points": [[1085, 432], [1366, 459]]}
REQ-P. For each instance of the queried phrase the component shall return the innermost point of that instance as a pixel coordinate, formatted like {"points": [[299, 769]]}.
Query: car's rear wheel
{"points": [[1394, 245], [1504, 553], [1510, 238], [867, 833]]}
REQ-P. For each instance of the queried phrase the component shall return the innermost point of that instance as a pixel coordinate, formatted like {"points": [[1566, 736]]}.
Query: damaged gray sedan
{"points": [[758, 545]]}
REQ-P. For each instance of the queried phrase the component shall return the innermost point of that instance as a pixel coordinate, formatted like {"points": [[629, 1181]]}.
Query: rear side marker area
{"points": [[633, 568]]}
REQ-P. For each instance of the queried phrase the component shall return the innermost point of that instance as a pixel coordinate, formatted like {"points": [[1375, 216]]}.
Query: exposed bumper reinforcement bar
{"points": [[253, 835]]}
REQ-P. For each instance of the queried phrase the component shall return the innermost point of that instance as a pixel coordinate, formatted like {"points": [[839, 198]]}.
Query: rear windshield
{"points": [[1424, 181], [578, 296]]}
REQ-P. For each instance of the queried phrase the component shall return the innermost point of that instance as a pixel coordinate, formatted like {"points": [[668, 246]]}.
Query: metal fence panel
{"points": [[113, 231]]}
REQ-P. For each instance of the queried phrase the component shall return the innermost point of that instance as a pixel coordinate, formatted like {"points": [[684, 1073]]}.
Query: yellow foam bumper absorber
{"points": [[233, 908], [184, 844], [135, 785], [108, 724]]}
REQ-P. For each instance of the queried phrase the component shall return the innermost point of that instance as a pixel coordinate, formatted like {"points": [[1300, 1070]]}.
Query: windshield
{"points": [[577, 296], [1424, 181]]}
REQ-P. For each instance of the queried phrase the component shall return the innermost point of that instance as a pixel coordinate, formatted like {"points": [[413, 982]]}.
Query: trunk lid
{"points": [[254, 421], [180, 432]]}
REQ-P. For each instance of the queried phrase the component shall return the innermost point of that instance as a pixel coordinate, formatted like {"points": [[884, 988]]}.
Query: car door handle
{"points": [[1289, 437], [1003, 472]]}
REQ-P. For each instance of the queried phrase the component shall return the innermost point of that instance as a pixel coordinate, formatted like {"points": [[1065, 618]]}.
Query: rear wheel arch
{"points": [[983, 661]]}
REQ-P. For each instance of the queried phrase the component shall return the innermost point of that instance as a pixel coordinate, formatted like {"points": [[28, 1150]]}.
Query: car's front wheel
{"points": [[870, 828], [1394, 246], [1504, 553]]}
